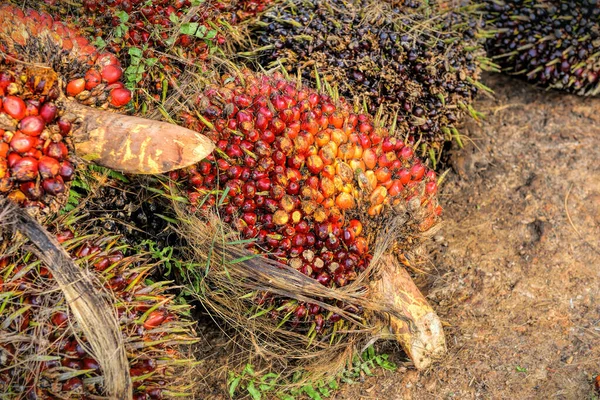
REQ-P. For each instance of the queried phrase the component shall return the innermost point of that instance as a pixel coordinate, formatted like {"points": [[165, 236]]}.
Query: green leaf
{"points": [[173, 18], [99, 42], [233, 385], [254, 392], [189, 28], [197, 2], [135, 52], [211, 34], [312, 393], [123, 16]]}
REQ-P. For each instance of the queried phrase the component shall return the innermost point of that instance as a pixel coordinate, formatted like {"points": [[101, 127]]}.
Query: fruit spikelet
{"points": [[306, 180], [52, 360]]}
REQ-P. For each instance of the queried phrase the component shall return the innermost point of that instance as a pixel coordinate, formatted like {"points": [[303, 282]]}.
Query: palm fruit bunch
{"points": [[157, 40], [303, 178], [554, 43], [419, 61], [45, 356], [43, 65]]}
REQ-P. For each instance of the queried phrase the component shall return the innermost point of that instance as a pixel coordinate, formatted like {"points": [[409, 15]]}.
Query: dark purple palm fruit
{"points": [[423, 79], [553, 43]]}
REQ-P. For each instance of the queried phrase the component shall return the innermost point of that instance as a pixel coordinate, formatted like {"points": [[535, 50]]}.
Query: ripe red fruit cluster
{"points": [[93, 78], [34, 155], [145, 314], [304, 176], [34, 158]]}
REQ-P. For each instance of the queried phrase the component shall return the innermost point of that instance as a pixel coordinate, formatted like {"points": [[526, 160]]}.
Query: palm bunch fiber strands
{"points": [[551, 43], [308, 184], [417, 62], [45, 352]]}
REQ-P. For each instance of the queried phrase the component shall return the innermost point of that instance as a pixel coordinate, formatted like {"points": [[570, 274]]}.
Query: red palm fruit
{"points": [[309, 184], [21, 142], [14, 106], [25, 169], [48, 112], [120, 97], [111, 73], [32, 125], [92, 79], [48, 167], [75, 87]]}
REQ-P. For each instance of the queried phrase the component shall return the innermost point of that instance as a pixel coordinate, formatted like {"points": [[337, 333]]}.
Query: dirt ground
{"points": [[515, 272]]}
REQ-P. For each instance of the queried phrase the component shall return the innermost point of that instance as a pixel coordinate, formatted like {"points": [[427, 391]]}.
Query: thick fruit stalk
{"points": [[414, 324], [50, 342], [309, 183], [135, 145]]}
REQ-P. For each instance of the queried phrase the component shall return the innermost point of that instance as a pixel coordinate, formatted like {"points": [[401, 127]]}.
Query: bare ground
{"points": [[516, 268]]}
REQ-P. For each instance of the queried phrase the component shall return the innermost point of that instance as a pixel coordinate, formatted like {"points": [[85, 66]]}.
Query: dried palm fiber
{"points": [[553, 43], [296, 249], [78, 320], [419, 62]]}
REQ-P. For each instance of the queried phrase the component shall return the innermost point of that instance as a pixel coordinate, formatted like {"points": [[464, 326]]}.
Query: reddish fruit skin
{"points": [[64, 126], [14, 106], [22, 143], [120, 97], [48, 112], [48, 167], [53, 186], [111, 73], [32, 125], [154, 319], [75, 87], [26, 169], [92, 79]]}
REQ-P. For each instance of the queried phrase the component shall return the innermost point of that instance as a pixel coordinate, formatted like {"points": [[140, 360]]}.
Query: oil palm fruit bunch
{"points": [[42, 62], [44, 353], [420, 60], [305, 181], [553, 43], [157, 40]]}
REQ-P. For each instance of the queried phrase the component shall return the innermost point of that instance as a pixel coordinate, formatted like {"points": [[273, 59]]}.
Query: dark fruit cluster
{"points": [[554, 43], [304, 177], [136, 216], [417, 59], [55, 361], [34, 154]]}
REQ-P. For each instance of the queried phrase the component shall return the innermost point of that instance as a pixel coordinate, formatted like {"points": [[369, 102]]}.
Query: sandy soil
{"points": [[516, 269]]}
